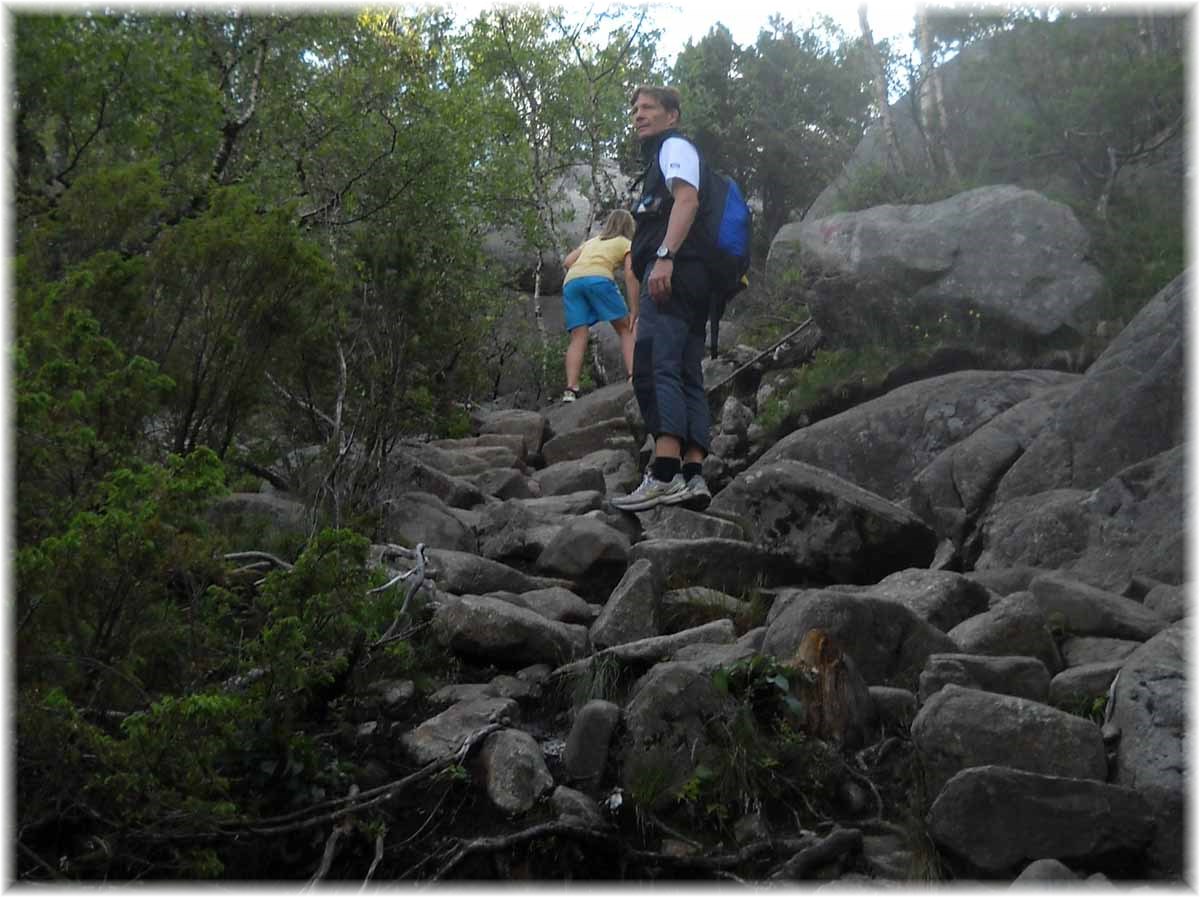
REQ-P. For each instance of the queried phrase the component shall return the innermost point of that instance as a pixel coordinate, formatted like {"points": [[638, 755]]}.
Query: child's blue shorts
{"points": [[587, 300]]}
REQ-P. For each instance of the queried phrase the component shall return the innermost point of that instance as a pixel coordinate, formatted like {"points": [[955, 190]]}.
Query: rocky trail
{"points": [[939, 634]]}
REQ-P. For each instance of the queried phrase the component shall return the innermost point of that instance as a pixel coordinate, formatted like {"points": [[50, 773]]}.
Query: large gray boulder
{"points": [[1012, 627], [632, 609], [530, 426], [611, 434], [572, 194], [1022, 677], [881, 445], [499, 632], [419, 517], [670, 720], [442, 735], [514, 771], [959, 484], [998, 818], [830, 528], [462, 573], [1001, 263], [1149, 706], [1129, 526], [732, 566], [582, 545], [940, 597], [960, 727], [889, 643], [1129, 408], [1081, 609]]}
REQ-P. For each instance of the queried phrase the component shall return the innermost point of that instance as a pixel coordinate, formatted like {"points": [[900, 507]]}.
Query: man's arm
{"points": [[683, 215], [632, 289]]}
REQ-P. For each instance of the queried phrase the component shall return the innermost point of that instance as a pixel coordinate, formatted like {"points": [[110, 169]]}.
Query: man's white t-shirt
{"points": [[678, 159]]}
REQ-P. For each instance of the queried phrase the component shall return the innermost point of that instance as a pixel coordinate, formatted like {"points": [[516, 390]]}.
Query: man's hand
{"points": [[660, 280]]}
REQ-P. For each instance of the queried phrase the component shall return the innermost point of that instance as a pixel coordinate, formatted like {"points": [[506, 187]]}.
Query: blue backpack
{"points": [[728, 224]]}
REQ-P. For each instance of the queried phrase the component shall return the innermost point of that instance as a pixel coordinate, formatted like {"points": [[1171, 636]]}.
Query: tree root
{"points": [[833, 846], [719, 865]]}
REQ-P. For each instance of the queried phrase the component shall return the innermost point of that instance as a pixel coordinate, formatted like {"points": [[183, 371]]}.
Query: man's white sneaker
{"points": [[652, 493], [698, 497], [570, 395]]}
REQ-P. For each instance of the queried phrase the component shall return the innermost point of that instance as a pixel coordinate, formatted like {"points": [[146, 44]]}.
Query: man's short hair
{"points": [[667, 97]]}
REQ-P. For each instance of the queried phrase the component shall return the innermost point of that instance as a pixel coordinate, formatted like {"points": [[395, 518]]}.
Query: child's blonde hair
{"points": [[618, 224]]}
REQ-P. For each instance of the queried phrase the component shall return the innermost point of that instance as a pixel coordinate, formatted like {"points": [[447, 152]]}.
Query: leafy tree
{"points": [[783, 115]]}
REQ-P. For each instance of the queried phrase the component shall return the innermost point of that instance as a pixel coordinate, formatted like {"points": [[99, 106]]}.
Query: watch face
{"points": [[663, 252]]}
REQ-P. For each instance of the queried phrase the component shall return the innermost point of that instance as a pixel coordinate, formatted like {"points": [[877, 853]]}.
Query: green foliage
{"points": [[877, 186], [81, 403], [112, 590], [782, 116], [830, 374]]}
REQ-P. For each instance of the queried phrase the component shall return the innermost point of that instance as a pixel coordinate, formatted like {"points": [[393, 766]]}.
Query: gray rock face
{"points": [[588, 741], [881, 445], [1083, 649], [408, 473], [511, 530], [1076, 688], [1010, 628], [669, 719], [673, 522], [570, 476], [997, 818], [1086, 610], [575, 806], [1169, 602], [1021, 677], [1044, 870], [953, 491], [580, 545], [529, 425], [832, 529], [939, 597], [506, 482], [631, 612], [1011, 256], [467, 574], [500, 632], [575, 444], [728, 565], [460, 461], [962, 727], [444, 734], [514, 771], [1128, 526], [420, 517], [888, 641], [557, 603], [646, 652], [513, 442], [1148, 706], [1129, 407]]}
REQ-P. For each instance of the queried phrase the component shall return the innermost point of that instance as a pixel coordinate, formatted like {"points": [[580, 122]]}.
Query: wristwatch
{"points": [[665, 253]]}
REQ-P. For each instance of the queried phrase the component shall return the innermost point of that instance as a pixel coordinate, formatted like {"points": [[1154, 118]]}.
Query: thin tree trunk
{"points": [[933, 103], [879, 81]]}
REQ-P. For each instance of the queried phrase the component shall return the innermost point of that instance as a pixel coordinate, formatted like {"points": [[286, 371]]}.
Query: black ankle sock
{"points": [[692, 469], [664, 469]]}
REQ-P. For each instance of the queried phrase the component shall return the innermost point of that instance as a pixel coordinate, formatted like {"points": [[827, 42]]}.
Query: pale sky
{"points": [[682, 20]]}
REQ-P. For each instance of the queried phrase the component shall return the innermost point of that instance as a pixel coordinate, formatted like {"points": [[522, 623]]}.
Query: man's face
{"points": [[650, 117]]}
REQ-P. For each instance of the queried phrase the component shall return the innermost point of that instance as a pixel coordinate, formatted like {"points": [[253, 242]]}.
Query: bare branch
{"points": [[258, 556]]}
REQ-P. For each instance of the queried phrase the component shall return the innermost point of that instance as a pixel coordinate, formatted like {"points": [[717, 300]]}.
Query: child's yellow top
{"points": [[599, 258]]}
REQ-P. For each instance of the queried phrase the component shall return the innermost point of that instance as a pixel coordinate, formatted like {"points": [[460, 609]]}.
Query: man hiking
{"points": [[668, 260]]}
